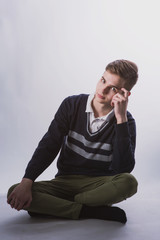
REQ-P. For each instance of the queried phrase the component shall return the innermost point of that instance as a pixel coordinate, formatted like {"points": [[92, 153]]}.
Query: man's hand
{"points": [[120, 102], [21, 196]]}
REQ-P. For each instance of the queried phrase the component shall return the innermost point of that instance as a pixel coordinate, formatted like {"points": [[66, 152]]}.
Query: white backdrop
{"points": [[50, 49]]}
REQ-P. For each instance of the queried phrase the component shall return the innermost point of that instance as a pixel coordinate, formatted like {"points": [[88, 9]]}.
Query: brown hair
{"points": [[127, 70]]}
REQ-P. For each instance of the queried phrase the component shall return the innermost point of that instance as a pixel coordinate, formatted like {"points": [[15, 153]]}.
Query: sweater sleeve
{"points": [[50, 144], [124, 147]]}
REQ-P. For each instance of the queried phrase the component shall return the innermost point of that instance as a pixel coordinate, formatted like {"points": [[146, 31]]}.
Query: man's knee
{"points": [[130, 183]]}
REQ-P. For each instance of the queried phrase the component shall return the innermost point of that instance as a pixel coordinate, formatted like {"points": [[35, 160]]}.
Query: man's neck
{"points": [[100, 110]]}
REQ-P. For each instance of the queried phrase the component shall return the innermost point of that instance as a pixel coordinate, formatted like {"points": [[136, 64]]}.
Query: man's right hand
{"points": [[21, 196]]}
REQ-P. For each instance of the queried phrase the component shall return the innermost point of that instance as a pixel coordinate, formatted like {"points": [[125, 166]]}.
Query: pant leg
{"points": [[64, 196], [111, 190], [50, 197]]}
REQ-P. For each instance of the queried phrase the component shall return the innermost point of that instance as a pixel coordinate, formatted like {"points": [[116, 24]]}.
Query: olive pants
{"points": [[65, 195]]}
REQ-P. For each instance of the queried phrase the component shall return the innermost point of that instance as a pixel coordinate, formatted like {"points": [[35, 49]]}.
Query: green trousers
{"points": [[64, 196]]}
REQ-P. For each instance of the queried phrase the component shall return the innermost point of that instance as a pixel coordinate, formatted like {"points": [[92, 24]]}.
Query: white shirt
{"points": [[96, 123]]}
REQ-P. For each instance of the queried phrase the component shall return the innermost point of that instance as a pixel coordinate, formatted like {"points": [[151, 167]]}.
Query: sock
{"points": [[104, 213]]}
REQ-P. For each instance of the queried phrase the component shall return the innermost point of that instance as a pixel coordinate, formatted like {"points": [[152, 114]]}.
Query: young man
{"points": [[96, 137]]}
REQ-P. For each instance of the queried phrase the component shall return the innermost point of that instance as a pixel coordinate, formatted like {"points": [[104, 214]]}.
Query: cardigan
{"points": [[106, 152]]}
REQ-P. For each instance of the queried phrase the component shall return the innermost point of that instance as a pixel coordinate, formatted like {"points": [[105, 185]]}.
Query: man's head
{"points": [[126, 70], [120, 74]]}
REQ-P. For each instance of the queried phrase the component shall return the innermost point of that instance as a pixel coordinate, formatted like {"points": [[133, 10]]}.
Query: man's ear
{"points": [[129, 93]]}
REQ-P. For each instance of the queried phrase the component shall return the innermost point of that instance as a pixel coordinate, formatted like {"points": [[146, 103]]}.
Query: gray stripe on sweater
{"points": [[91, 156], [98, 145]]}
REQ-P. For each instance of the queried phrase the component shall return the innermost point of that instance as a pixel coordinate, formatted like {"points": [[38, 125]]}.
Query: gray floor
{"points": [[143, 212]]}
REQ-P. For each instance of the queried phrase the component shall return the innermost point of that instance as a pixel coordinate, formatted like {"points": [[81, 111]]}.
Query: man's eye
{"points": [[114, 89], [103, 80]]}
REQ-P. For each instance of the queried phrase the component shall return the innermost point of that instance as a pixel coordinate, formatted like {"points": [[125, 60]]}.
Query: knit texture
{"points": [[108, 151]]}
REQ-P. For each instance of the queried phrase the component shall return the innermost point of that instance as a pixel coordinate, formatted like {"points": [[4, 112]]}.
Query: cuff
{"points": [[122, 130]]}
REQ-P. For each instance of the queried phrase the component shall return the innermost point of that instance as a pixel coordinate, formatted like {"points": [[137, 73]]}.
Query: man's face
{"points": [[107, 87]]}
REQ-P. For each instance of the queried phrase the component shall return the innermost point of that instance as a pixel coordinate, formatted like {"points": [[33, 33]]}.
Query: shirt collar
{"points": [[89, 109], [89, 103]]}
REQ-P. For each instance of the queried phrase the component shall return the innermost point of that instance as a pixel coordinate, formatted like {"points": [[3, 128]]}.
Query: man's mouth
{"points": [[100, 96]]}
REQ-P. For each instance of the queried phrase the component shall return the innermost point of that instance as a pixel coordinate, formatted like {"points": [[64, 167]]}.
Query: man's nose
{"points": [[105, 89]]}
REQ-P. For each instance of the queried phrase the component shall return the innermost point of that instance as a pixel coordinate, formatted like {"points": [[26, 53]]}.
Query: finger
{"points": [[12, 202], [122, 94], [119, 97], [114, 102], [20, 206], [10, 198], [126, 92], [17, 204], [27, 204]]}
